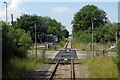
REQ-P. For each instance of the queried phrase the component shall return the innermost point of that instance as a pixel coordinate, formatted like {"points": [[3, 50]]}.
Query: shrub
{"points": [[15, 43]]}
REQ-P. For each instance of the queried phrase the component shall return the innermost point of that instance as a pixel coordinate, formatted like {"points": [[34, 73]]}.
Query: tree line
{"points": [[44, 25]]}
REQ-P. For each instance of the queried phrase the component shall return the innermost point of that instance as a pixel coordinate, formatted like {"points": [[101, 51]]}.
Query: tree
{"points": [[65, 33], [27, 23], [84, 17], [55, 28], [45, 26]]}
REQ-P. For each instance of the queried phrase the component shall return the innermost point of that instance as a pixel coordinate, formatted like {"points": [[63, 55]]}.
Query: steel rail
{"points": [[72, 70], [56, 66], [67, 44]]}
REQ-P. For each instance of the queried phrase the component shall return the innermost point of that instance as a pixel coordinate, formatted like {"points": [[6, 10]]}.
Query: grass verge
{"points": [[17, 68], [101, 67]]}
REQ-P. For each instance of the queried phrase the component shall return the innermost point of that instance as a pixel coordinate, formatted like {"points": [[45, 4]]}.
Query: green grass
{"points": [[17, 68], [86, 46], [101, 67], [81, 61], [61, 44], [82, 47]]}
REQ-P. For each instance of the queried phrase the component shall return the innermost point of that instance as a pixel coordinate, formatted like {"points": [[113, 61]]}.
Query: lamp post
{"points": [[6, 11]]}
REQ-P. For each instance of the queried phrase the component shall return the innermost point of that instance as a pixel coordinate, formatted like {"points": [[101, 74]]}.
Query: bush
{"points": [[15, 43]]}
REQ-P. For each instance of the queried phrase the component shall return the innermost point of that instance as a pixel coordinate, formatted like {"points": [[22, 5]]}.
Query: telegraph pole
{"points": [[93, 38], [35, 42]]}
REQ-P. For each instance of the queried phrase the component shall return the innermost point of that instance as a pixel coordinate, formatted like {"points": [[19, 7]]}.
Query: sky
{"points": [[62, 11]]}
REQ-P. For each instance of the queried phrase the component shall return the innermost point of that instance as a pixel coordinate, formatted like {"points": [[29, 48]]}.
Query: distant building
{"points": [[51, 39]]}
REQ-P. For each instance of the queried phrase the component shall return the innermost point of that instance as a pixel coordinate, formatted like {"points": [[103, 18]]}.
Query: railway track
{"points": [[61, 66], [66, 45]]}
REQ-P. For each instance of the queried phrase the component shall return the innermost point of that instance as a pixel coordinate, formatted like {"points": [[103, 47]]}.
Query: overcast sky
{"points": [[61, 11]]}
